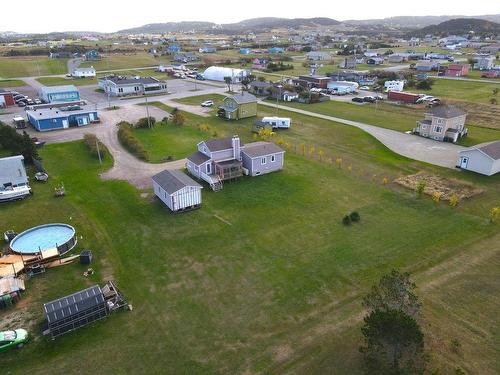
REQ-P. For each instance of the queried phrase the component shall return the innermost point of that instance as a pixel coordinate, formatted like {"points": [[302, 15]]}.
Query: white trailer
{"points": [[278, 122]]}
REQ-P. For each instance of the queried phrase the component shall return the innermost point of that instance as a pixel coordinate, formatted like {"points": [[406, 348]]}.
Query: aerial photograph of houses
{"points": [[284, 190]]}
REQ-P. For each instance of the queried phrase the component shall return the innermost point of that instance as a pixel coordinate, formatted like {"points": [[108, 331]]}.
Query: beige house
{"points": [[443, 123]]}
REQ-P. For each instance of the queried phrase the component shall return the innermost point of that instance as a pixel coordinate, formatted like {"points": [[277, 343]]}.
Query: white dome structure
{"points": [[217, 73]]}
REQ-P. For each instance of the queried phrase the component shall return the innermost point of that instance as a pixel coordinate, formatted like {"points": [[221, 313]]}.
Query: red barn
{"points": [[457, 70], [6, 98]]}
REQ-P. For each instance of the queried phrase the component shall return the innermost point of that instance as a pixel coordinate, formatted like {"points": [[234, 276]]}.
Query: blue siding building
{"points": [[275, 50], [54, 94], [54, 118], [245, 51], [173, 48]]}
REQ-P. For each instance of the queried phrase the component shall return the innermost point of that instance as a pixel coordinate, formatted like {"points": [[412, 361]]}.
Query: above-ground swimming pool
{"points": [[45, 237]]}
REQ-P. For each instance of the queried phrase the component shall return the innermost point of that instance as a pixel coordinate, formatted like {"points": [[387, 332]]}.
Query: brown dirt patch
{"points": [[446, 186], [282, 353]]}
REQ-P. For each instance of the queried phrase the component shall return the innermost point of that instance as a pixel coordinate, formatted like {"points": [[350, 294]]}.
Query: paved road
{"points": [[414, 147]]}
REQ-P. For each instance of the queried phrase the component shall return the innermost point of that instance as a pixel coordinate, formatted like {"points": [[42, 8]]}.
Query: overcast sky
{"points": [[112, 15]]}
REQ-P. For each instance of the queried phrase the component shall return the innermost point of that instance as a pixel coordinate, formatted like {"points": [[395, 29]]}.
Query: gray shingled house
{"points": [[483, 158], [177, 190], [222, 159]]}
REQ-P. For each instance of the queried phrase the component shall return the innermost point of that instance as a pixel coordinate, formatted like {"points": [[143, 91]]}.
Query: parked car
{"points": [[357, 100], [21, 104], [13, 339], [369, 99], [207, 103], [426, 99], [364, 88], [200, 77], [37, 101]]}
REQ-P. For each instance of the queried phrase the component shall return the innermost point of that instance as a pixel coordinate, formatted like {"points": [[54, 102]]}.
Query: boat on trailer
{"points": [[12, 193]]}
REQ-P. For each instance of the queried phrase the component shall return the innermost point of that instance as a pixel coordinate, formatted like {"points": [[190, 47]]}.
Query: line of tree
{"points": [[130, 141], [18, 144]]}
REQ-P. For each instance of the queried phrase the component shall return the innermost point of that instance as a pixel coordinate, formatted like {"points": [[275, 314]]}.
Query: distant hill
{"points": [[168, 27], [250, 24], [417, 21], [460, 26], [275, 22]]}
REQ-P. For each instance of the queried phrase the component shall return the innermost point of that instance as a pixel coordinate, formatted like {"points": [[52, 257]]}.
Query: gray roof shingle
{"points": [[219, 144], [446, 111], [243, 98], [172, 181], [198, 158], [257, 149], [492, 149]]}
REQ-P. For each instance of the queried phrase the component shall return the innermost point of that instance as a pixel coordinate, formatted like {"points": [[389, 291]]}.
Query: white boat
{"points": [[11, 193]]}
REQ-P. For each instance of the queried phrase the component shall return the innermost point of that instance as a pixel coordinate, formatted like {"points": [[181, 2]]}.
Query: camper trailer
{"points": [[278, 122]]}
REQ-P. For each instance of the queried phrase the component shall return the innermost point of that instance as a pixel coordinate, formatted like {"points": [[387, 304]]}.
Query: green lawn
{"points": [[11, 83], [56, 81], [125, 61], [196, 100], [11, 67], [390, 116], [463, 90], [277, 290]]}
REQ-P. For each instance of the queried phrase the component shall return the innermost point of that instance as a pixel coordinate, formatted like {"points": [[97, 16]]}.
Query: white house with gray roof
{"points": [[483, 158], [177, 190], [123, 86], [222, 159]]}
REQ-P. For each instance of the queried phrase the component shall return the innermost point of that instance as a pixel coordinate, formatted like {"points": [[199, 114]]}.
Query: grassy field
{"points": [[126, 61], [196, 100], [11, 67], [11, 83], [463, 90], [275, 286], [390, 116], [56, 81]]}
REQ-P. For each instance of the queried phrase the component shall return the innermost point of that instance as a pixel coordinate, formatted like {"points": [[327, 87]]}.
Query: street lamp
{"points": [[147, 105]]}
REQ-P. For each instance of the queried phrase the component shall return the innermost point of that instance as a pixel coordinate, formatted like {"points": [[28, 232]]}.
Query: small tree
{"points": [[495, 91], [419, 190], [394, 291], [385, 180], [494, 214], [453, 200], [178, 118], [338, 161], [494, 101], [436, 196], [393, 343]]}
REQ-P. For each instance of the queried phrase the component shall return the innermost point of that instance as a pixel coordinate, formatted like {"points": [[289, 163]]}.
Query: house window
{"points": [[440, 121], [438, 129], [263, 160], [273, 158], [209, 168]]}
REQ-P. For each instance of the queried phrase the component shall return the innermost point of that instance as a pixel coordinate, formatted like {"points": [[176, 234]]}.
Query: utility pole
{"points": [[98, 151], [147, 105]]}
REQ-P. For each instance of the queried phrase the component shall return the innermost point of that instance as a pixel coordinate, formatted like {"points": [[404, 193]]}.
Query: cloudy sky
{"points": [[113, 15]]}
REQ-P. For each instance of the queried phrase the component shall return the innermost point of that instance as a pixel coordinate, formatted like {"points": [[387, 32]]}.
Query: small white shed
{"points": [[483, 158], [278, 122], [177, 190]]}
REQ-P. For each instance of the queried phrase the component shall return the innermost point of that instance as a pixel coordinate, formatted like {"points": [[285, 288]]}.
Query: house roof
{"points": [[57, 89], [492, 149], [219, 144], [172, 181], [127, 81], [257, 149], [198, 158], [75, 303], [58, 112], [446, 111], [260, 84], [243, 98]]}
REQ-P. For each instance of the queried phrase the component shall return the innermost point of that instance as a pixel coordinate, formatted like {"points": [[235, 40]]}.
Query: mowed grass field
{"points": [[480, 92], [11, 67], [273, 288], [56, 81], [126, 61], [390, 116], [9, 83]]}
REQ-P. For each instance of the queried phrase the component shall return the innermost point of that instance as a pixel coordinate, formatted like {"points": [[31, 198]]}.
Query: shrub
{"points": [[143, 123], [346, 220], [494, 214], [354, 216], [453, 200], [420, 188], [178, 118], [92, 143], [436, 196], [130, 141]]}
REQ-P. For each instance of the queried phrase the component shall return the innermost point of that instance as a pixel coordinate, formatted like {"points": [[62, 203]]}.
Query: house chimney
{"points": [[235, 142]]}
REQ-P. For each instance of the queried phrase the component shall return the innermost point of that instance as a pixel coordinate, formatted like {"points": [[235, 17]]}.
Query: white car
{"points": [[207, 103], [425, 98], [364, 88]]}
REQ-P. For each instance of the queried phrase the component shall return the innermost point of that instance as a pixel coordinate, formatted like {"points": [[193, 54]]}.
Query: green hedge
{"points": [[130, 141], [92, 141]]}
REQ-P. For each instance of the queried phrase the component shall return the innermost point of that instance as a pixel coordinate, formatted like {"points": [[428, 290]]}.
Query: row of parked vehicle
{"points": [[23, 100], [367, 99]]}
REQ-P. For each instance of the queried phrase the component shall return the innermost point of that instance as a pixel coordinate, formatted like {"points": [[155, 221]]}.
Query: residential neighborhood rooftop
{"points": [[257, 149], [243, 97], [174, 180], [446, 111]]}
